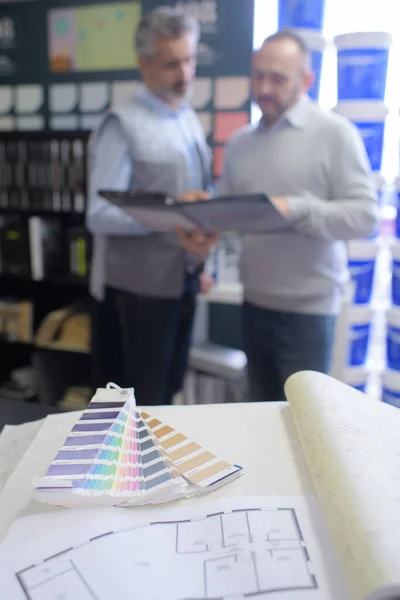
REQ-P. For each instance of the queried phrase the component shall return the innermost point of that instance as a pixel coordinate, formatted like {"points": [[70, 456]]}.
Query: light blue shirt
{"points": [[112, 166]]}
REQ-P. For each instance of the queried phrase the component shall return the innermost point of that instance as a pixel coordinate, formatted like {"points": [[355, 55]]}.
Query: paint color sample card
{"points": [[116, 456], [197, 465]]}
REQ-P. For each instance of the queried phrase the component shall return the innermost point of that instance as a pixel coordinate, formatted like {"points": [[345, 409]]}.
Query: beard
{"points": [[176, 93], [180, 88], [273, 108]]}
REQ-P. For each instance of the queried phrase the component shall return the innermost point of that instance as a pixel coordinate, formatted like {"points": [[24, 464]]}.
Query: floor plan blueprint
{"points": [[262, 547], [250, 552]]}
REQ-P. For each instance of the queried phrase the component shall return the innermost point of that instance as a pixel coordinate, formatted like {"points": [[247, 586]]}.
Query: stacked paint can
{"points": [[362, 63], [305, 18], [369, 262], [391, 376], [362, 257]]}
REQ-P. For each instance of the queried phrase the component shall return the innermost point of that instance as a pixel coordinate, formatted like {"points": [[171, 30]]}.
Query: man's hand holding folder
{"points": [[196, 242]]}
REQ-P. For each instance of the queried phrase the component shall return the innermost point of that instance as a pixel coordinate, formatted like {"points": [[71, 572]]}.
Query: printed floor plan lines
{"points": [[256, 573], [226, 530], [245, 552]]}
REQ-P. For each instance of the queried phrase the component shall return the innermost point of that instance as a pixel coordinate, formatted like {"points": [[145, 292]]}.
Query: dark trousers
{"points": [[278, 344], [143, 342]]}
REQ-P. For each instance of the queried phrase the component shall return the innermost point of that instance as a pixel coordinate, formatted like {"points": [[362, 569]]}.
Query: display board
{"points": [[63, 63]]}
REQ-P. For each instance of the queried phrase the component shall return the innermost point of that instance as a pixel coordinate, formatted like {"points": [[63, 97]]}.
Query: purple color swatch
{"points": [[77, 454], [84, 440], [70, 469], [105, 416], [93, 426]]}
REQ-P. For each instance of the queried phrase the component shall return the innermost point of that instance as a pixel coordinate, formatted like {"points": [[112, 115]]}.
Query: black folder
{"points": [[252, 213]]}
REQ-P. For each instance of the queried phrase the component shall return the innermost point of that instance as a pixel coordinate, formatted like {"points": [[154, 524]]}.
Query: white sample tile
{"points": [[64, 122], [90, 122], [30, 123], [28, 98], [94, 96], [205, 119], [122, 91], [63, 97], [6, 123], [231, 92], [201, 92]]}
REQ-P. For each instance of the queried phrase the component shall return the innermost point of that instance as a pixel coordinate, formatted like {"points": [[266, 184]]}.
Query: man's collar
{"points": [[296, 116], [159, 105]]}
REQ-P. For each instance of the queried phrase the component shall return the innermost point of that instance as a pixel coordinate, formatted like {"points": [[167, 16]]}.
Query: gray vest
{"points": [[155, 264]]}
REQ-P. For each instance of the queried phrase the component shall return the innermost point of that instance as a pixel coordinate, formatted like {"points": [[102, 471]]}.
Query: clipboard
{"points": [[244, 214]]}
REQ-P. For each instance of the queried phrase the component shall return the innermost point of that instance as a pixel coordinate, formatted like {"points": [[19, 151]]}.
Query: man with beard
{"points": [[313, 166], [145, 283]]}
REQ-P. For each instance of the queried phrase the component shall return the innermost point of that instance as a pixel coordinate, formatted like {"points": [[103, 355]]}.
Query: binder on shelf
{"points": [[14, 247], [253, 213], [77, 173], [43, 171], [79, 251], [45, 242]]}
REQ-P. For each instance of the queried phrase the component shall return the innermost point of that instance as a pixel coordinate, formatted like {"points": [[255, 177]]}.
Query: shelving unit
{"points": [[43, 174]]}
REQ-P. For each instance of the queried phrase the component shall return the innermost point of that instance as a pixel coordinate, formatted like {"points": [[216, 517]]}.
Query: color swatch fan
{"points": [[116, 456]]}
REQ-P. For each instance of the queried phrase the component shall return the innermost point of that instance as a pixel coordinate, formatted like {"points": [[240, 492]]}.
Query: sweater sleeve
{"points": [[352, 211]]}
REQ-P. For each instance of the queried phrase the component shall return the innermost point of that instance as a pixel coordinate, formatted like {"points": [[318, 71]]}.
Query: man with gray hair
{"points": [[145, 283]]}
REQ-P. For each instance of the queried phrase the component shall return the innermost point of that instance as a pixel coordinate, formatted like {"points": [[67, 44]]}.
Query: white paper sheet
{"points": [[352, 445], [269, 547]]}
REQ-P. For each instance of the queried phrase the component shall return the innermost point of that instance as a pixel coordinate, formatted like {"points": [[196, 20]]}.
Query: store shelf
{"points": [[54, 346], [59, 347]]}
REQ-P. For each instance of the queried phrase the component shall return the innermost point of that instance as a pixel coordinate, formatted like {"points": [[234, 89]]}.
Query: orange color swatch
{"points": [[218, 160], [226, 123]]}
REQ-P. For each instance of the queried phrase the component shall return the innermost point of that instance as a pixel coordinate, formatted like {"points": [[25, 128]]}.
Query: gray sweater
{"points": [[318, 161]]}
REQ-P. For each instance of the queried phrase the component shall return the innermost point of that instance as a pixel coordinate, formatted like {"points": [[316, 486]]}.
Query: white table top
{"points": [[261, 437], [14, 442]]}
